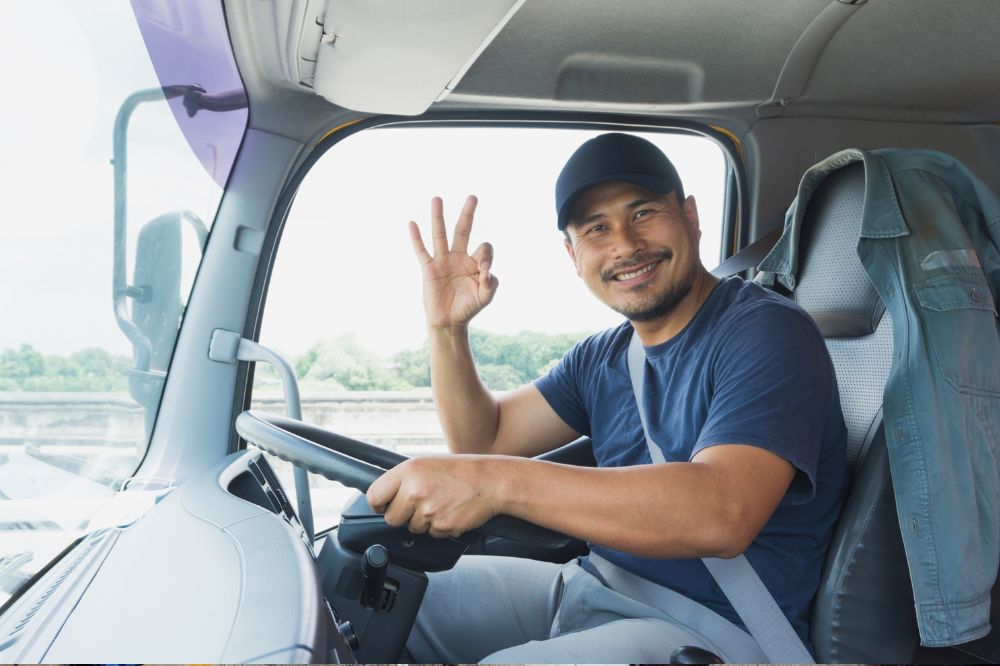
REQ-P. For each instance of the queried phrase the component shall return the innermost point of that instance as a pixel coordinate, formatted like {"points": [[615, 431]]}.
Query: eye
{"points": [[648, 212], [594, 228]]}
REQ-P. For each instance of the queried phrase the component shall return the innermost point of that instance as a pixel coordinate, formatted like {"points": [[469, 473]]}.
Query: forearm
{"points": [[673, 510], [468, 412]]}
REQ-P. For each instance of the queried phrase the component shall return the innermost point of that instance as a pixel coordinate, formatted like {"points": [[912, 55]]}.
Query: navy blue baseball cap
{"points": [[620, 157]]}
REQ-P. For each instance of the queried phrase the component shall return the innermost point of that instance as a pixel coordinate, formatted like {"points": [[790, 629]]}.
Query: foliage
{"points": [[343, 363], [414, 367], [91, 369], [504, 362], [508, 361]]}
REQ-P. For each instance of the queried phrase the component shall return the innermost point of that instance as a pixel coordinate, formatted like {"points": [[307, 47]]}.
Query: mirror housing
{"points": [[156, 285]]}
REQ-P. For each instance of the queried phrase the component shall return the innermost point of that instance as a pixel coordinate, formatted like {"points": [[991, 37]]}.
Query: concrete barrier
{"points": [[100, 436], [404, 421]]}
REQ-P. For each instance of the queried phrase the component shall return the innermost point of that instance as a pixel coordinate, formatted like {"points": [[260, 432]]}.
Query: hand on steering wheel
{"points": [[358, 464], [442, 495]]}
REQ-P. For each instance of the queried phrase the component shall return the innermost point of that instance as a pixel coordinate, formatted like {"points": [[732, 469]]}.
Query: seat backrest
{"points": [[863, 611]]}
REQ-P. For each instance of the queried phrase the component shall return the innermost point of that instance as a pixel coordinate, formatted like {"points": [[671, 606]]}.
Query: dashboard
{"points": [[218, 570]]}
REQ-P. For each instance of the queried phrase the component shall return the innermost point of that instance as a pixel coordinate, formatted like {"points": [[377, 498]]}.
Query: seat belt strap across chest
{"points": [[742, 586]]}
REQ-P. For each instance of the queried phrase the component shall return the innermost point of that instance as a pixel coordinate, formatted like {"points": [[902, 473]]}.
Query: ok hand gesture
{"points": [[457, 285]]}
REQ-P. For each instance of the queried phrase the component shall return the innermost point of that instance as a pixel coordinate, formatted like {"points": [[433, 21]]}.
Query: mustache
{"points": [[635, 262]]}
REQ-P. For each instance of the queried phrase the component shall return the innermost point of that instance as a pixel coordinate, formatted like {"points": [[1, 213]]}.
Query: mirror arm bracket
{"points": [[230, 347]]}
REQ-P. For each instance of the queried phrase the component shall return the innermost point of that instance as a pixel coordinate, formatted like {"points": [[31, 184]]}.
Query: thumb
{"points": [[488, 282], [381, 492]]}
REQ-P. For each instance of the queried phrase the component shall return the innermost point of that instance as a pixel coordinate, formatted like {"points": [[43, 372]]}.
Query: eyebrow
{"points": [[579, 222]]}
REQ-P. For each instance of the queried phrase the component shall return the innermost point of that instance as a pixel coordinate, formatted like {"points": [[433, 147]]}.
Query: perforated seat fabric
{"points": [[862, 366], [863, 611], [833, 286]]}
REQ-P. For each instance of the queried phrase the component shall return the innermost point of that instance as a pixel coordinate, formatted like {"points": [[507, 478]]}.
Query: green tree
{"points": [[413, 367], [504, 361], [305, 362], [90, 369], [527, 354], [19, 364], [500, 377], [344, 363]]}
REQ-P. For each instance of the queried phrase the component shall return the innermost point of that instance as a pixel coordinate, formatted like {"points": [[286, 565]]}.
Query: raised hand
{"points": [[457, 285]]}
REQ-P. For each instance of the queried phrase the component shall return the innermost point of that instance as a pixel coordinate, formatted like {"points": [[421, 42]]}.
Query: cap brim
{"points": [[646, 181]]}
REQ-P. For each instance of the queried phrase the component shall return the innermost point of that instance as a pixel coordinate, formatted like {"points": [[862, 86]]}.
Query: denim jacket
{"points": [[929, 239]]}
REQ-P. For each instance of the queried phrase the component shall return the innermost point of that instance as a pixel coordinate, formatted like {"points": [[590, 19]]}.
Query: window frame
{"points": [[735, 223]]}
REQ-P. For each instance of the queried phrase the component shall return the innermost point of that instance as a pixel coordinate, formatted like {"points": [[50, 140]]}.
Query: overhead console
{"points": [[385, 56]]}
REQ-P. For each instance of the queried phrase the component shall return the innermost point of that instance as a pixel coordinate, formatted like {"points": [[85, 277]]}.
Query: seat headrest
{"points": [[833, 286]]}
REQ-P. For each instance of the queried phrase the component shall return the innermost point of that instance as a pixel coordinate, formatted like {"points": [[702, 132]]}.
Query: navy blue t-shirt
{"points": [[749, 368]]}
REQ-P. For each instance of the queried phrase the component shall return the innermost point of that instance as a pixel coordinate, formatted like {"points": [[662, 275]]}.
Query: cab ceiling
{"points": [[714, 60]]}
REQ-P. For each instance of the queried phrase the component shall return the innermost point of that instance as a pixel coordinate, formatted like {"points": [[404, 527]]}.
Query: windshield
{"points": [[110, 193], [362, 359]]}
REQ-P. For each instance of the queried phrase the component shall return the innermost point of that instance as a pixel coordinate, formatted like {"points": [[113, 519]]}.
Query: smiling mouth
{"points": [[637, 267], [623, 277]]}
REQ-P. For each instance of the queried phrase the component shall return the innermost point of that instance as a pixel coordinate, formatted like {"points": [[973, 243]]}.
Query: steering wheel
{"points": [[357, 464]]}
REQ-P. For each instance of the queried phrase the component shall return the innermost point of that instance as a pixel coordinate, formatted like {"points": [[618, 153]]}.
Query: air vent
{"points": [[92, 541]]}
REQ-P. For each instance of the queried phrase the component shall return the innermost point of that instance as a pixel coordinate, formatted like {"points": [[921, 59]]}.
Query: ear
{"points": [[690, 208], [572, 255]]}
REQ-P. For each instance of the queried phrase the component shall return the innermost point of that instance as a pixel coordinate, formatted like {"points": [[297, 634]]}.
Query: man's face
{"points": [[637, 251]]}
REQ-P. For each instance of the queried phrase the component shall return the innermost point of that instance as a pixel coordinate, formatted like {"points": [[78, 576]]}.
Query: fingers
{"points": [[443, 533], [381, 492], [419, 524], [483, 253], [384, 497], [423, 256], [463, 228], [488, 282], [438, 232], [439, 235], [399, 513]]}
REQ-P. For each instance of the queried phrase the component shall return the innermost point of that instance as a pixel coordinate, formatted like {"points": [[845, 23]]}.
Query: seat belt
{"points": [[742, 586], [748, 257]]}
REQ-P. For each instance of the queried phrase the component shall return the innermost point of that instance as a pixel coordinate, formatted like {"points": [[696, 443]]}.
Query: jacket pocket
{"points": [[961, 320]]}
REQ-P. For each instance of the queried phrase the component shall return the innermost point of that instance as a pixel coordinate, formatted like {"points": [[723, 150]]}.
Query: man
{"points": [[740, 398]]}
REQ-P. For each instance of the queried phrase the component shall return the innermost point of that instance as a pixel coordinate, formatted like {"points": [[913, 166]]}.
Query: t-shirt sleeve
{"points": [[773, 387], [561, 389]]}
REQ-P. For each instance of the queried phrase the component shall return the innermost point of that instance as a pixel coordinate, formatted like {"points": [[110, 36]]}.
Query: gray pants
{"points": [[509, 610]]}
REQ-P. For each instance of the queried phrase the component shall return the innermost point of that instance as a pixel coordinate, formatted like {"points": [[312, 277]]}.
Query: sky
{"points": [[345, 263], [56, 178]]}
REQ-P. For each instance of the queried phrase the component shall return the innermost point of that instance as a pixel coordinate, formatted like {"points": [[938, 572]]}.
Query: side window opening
{"points": [[113, 188], [344, 302]]}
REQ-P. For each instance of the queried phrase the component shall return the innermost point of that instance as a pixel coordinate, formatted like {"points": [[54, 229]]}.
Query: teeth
{"points": [[629, 276]]}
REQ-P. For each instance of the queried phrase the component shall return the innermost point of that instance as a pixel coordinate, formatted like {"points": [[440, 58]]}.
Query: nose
{"points": [[627, 240]]}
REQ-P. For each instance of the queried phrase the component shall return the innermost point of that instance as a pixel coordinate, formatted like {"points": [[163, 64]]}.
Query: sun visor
{"points": [[397, 57]]}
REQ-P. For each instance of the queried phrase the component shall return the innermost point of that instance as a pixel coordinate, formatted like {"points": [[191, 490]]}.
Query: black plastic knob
{"points": [[374, 564], [688, 654], [347, 631]]}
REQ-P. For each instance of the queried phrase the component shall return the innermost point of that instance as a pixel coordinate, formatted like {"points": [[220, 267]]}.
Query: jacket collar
{"points": [[881, 216]]}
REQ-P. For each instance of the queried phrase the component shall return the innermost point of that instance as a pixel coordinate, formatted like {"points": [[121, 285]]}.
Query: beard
{"points": [[653, 306]]}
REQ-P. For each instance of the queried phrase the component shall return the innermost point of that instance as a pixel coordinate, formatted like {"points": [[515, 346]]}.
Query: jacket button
{"points": [[975, 295]]}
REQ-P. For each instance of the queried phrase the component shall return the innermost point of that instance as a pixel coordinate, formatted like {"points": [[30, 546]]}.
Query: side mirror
{"points": [[152, 319], [156, 286]]}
